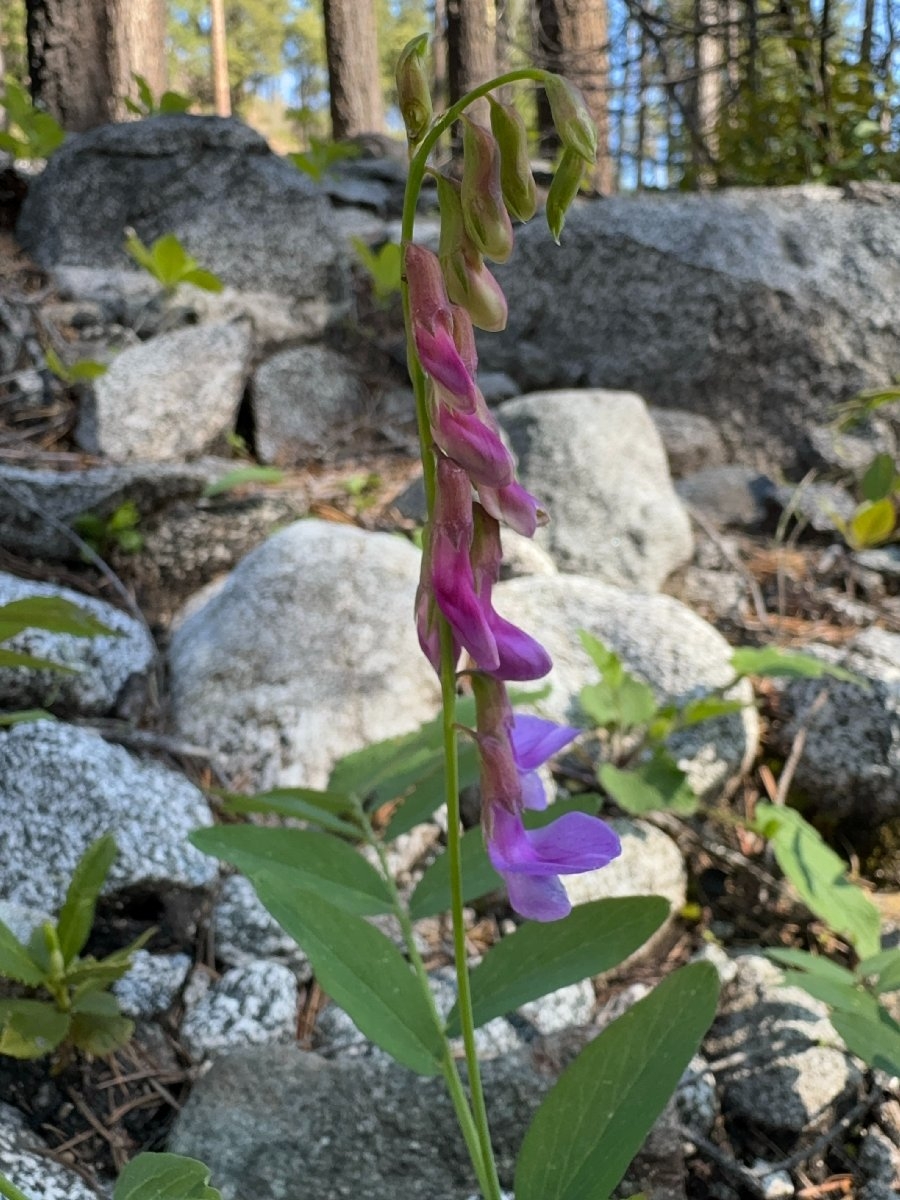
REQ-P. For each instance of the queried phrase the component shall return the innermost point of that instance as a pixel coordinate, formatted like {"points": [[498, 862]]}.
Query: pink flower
{"points": [[515, 507], [435, 329]]}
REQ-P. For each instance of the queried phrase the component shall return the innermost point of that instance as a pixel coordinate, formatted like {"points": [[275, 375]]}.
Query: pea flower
{"points": [[471, 439], [511, 749], [435, 325], [484, 212]]}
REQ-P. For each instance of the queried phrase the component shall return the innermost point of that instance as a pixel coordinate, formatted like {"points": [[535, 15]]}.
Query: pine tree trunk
{"points": [[83, 54], [471, 49], [573, 40], [351, 42]]}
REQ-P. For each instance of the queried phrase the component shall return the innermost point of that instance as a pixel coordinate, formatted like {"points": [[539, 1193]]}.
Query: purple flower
{"points": [[437, 329], [531, 860], [511, 748]]}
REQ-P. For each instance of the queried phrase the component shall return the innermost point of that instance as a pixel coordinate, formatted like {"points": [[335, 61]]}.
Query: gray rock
{"points": [[152, 983], [523, 556], [411, 501], [659, 640], [883, 559], [273, 319], [496, 386], [821, 505], [249, 1006], [851, 450], [26, 1162], [851, 760], [757, 308], [650, 865], [123, 296], [307, 403], [168, 399], [55, 777], [37, 507], [596, 461], [775, 1054], [264, 1118], [692, 441], [101, 666], [729, 496], [716, 595], [21, 921], [243, 213], [696, 1100], [333, 664], [776, 1185], [245, 930], [879, 1158]]}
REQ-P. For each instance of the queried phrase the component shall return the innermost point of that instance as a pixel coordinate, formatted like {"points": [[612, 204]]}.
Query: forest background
{"points": [[687, 94]]}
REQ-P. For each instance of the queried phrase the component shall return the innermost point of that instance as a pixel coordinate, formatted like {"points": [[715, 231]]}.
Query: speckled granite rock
{"points": [[249, 1006], [152, 983], [333, 663], [101, 666], [55, 776], [245, 930], [24, 1160]]}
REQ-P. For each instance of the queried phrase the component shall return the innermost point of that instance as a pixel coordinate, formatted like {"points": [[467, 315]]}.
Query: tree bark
{"points": [[351, 44], [573, 40], [219, 59], [83, 54], [471, 49], [709, 59]]}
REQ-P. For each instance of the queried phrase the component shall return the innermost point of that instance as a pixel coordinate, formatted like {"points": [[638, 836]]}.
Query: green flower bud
{"points": [[573, 121], [516, 179], [468, 281], [412, 87], [484, 213], [563, 190]]}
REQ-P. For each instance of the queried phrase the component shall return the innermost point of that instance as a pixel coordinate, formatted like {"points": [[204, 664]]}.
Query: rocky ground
{"points": [[266, 631]]}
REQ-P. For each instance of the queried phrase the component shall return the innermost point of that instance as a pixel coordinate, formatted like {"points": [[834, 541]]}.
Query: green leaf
{"points": [[170, 259], [539, 958], [619, 698], [241, 476], [819, 876], [15, 961], [100, 1033], [16, 658], [429, 792], [432, 895], [203, 279], [787, 664], [303, 804], [174, 102], [708, 708], [23, 715], [871, 1034], [30, 1028], [165, 1177], [885, 966], [845, 997], [814, 964], [595, 1119], [872, 523], [52, 613], [656, 785], [383, 266], [363, 971], [306, 859], [878, 481], [77, 915]]}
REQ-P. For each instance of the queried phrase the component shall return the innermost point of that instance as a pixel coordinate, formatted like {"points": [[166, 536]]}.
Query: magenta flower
{"points": [[436, 327], [514, 506], [471, 440]]}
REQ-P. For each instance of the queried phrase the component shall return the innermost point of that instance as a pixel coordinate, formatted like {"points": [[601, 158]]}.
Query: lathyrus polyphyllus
{"points": [[530, 861]]}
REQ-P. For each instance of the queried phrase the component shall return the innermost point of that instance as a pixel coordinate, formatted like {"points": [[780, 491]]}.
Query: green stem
{"points": [[10, 1191], [490, 1184], [448, 1065]]}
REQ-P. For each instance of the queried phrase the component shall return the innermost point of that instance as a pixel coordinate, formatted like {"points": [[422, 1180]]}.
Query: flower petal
{"points": [[533, 794], [537, 897], [473, 444], [569, 845], [521, 657], [516, 507], [454, 591], [536, 740]]}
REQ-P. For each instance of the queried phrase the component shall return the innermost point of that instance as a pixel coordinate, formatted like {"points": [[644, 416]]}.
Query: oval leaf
{"points": [[595, 1119], [165, 1177], [15, 961], [363, 971], [88, 878], [312, 861], [541, 958]]}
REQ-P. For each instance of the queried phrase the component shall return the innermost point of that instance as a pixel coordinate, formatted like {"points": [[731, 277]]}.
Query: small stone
{"points": [[249, 1006], [776, 1185], [692, 441], [650, 865], [821, 505], [696, 1100], [168, 399], [729, 496], [152, 983], [245, 931], [565, 1008], [26, 1161], [100, 667]]}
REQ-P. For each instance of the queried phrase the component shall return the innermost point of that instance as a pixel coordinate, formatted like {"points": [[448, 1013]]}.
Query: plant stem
{"points": [[487, 1175], [448, 1065], [10, 1191]]}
